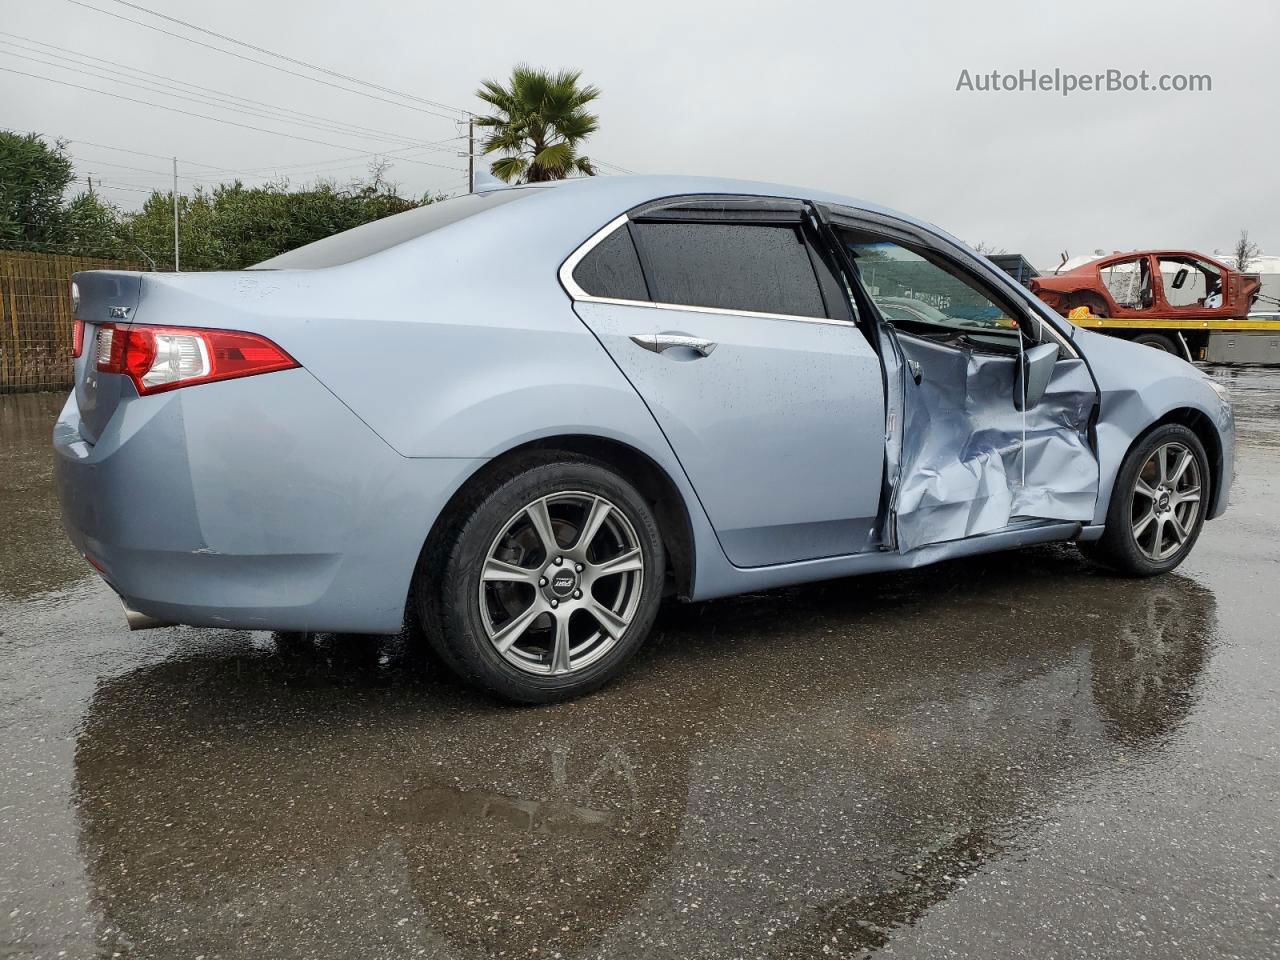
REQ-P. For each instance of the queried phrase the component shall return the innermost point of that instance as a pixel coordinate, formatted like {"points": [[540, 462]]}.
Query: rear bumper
{"points": [[261, 503]]}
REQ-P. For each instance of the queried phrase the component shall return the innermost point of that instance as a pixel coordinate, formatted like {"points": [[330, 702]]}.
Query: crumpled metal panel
{"points": [[965, 467]]}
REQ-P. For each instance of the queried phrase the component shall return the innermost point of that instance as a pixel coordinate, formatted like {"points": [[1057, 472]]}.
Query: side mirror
{"points": [[1034, 373], [1180, 278]]}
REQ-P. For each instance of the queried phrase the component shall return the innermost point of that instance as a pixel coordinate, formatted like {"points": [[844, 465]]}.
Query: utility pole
{"points": [[471, 153], [176, 265]]}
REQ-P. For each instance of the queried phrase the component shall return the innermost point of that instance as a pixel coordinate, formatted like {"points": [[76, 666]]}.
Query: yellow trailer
{"points": [[1185, 336]]}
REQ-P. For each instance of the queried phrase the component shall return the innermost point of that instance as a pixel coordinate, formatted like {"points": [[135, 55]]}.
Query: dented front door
{"points": [[970, 460]]}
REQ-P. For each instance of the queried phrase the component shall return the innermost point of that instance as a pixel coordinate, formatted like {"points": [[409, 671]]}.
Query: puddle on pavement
{"points": [[847, 784], [776, 775]]}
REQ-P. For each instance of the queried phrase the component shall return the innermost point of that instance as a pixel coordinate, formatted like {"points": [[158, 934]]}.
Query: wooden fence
{"points": [[35, 318]]}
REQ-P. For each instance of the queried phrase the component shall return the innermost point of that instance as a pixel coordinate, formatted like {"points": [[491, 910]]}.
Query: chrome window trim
{"points": [[571, 263], [578, 295]]}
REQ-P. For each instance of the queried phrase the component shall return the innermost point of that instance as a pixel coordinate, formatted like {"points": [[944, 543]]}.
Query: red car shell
{"points": [[1226, 293]]}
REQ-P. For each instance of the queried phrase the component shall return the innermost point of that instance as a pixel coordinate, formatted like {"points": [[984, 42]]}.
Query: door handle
{"points": [[660, 342]]}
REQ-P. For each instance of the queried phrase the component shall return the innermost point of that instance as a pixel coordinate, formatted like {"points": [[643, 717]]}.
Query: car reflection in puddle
{"points": [[785, 773]]}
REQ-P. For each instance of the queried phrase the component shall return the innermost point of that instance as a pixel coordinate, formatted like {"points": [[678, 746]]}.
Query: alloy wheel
{"points": [[1166, 501], [561, 583]]}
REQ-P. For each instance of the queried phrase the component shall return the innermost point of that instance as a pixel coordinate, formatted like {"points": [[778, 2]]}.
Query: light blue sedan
{"points": [[521, 418]]}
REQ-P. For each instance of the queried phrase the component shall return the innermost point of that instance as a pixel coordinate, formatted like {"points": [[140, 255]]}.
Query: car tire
{"points": [[1135, 544], [582, 622], [1159, 341]]}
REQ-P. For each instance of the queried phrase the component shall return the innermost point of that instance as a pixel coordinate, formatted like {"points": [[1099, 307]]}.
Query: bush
{"points": [[229, 227]]}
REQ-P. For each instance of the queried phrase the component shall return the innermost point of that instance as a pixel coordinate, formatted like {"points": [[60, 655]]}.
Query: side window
{"points": [[1129, 282], [612, 269], [921, 293], [1189, 282], [732, 266]]}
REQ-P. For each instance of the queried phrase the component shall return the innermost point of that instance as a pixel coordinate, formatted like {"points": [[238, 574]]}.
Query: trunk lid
{"points": [[106, 297]]}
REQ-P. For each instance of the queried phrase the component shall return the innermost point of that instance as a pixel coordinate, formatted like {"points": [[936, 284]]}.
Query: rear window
{"points": [[765, 269], [371, 238]]}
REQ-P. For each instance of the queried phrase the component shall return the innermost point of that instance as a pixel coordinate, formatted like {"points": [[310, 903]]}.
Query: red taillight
{"points": [[165, 358], [77, 338]]}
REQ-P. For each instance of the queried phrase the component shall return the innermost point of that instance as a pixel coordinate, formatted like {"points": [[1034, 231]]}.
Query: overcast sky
{"points": [[853, 97]]}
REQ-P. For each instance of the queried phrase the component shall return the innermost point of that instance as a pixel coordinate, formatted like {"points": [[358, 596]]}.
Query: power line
{"points": [[229, 106], [113, 186], [298, 62], [293, 60], [140, 153], [612, 166], [84, 162], [261, 63], [271, 66], [336, 126], [250, 171], [204, 116]]}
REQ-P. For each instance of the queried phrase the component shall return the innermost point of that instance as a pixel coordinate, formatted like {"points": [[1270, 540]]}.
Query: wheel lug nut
{"points": [[542, 581], [578, 567], [558, 561], [554, 604], [577, 594]]}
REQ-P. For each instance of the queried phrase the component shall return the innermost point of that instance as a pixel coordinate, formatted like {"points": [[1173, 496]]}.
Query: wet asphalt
{"points": [[1008, 756]]}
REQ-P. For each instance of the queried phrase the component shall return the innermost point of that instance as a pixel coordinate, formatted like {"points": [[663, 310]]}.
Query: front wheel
{"points": [[551, 585], [1158, 506], [1158, 341]]}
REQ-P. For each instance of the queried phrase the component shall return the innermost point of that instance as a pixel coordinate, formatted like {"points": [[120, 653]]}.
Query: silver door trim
{"points": [[578, 295]]}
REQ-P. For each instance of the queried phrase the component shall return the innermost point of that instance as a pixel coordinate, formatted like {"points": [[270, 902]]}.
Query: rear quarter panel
{"points": [[458, 346], [254, 503]]}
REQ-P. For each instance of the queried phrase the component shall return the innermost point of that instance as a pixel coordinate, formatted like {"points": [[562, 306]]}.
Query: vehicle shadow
{"points": [[890, 733]]}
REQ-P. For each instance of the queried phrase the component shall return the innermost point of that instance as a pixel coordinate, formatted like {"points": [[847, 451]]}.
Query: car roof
{"points": [[1164, 252], [630, 190]]}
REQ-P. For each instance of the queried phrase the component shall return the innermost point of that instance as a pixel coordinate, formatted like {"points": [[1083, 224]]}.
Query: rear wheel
{"points": [[551, 584], [1159, 341], [1158, 506], [1097, 306]]}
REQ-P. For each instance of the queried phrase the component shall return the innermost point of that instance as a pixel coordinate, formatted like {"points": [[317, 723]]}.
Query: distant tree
{"points": [[34, 176], [1246, 251], [540, 125], [91, 227], [988, 249], [233, 226], [228, 227]]}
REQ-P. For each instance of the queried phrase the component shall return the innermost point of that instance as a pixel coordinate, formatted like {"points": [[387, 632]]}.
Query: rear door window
{"points": [[612, 269], [1190, 282], [731, 266]]}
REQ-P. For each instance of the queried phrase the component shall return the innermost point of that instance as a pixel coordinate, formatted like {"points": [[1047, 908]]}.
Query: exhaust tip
{"points": [[141, 621]]}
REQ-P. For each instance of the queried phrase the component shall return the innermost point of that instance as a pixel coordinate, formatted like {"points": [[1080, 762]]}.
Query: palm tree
{"points": [[540, 124]]}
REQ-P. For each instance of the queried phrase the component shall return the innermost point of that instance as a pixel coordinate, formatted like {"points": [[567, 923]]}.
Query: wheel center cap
{"points": [[1164, 503], [561, 582]]}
